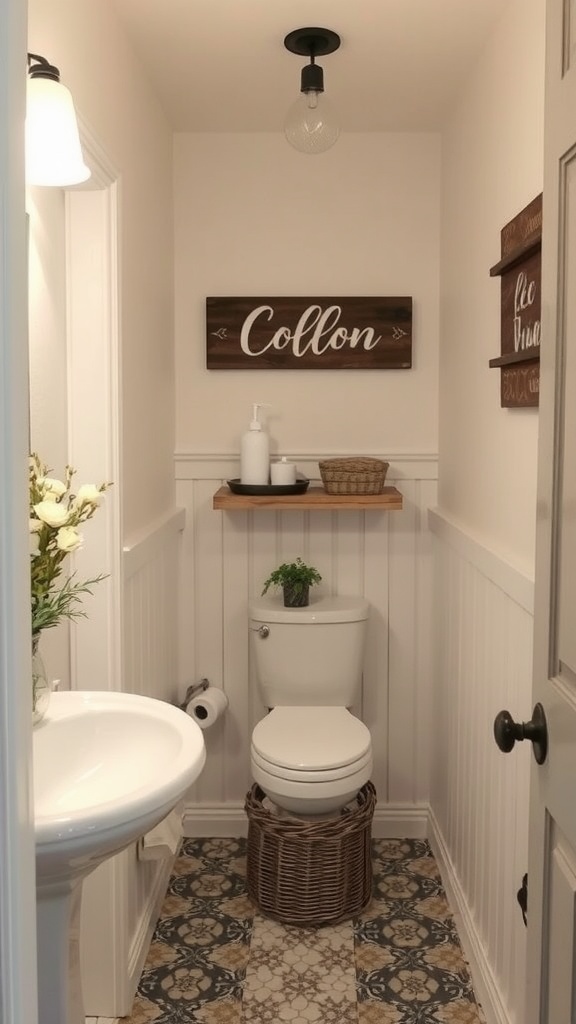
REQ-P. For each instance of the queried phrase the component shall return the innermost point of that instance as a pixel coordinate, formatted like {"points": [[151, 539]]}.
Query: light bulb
{"points": [[311, 125]]}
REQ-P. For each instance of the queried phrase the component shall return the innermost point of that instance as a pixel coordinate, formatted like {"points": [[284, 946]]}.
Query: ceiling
{"points": [[221, 65]]}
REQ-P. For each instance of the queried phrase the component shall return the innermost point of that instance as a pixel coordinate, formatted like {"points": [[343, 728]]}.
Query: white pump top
{"points": [[255, 422]]}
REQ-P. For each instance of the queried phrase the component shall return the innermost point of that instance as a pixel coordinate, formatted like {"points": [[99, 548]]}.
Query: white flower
{"points": [[52, 513], [34, 525], [51, 489], [88, 494], [68, 539], [34, 544]]}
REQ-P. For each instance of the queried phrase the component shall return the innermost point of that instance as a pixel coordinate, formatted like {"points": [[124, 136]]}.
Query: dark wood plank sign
{"points": [[519, 268], [308, 333]]}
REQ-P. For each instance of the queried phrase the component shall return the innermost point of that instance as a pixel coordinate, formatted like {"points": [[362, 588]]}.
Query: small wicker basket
{"points": [[359, 475], [306, 872]]}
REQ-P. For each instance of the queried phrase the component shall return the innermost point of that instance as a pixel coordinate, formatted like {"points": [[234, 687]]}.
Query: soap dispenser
{"points": [[255, 452]]}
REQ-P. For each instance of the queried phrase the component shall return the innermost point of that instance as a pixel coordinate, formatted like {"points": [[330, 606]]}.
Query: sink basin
{"points": [[108, 767]]}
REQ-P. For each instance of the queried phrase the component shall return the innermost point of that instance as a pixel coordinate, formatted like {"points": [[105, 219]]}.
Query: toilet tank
{"points": [[308, 656]]}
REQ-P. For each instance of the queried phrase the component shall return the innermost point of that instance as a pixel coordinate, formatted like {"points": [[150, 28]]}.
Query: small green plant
{"points": [[295, 578]]}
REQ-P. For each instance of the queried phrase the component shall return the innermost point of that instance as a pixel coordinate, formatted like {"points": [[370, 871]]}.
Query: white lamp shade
{"points": [[53, 152], [311, 126]]}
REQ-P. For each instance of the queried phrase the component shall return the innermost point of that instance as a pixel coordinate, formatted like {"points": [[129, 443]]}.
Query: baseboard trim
{"points": [[229, 821], [483, 979], [218, 821], [397, 821]]}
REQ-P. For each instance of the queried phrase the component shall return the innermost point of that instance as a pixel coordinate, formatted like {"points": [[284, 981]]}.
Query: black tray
{"points": [[300, 487]]}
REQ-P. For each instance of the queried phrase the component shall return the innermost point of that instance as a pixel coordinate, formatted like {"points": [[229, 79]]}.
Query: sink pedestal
{"points": [[108, 766], [58, 928]]}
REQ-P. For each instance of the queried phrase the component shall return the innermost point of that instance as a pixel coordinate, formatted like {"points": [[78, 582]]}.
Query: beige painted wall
{"points": [[253, 217], [86, 41], [492, 167]]}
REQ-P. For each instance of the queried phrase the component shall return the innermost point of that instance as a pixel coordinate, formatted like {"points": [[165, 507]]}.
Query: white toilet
{"points": [[309, 754]]}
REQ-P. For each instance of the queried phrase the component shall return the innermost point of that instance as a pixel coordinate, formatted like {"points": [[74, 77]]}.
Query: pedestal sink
{"points": [[107, 768]]}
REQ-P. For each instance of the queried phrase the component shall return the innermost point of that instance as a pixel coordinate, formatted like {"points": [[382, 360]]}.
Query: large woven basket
{"points": [[360, 475], [310, 873]]}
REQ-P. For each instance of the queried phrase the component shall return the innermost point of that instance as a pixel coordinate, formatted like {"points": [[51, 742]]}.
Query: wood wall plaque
{"points": [[520, 269], [308, 333]]}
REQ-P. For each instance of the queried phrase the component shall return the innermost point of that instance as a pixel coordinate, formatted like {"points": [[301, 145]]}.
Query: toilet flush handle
{"points": [[262, 631]]}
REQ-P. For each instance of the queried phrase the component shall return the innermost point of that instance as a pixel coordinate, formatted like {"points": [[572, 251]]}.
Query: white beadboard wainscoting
{"points": [[122, 899], [385, 556], [479, 797]]}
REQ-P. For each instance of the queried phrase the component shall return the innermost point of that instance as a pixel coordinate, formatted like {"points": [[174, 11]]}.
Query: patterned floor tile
{"points": [[408, 956], [198, 956], [300, 974], [213, 960]]}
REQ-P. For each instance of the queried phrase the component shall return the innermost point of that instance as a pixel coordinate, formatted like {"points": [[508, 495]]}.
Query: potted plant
{"points": [[295, 578]]}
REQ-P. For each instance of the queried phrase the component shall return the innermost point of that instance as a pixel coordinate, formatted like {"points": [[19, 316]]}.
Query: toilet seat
{"points": [[311, 760], [307, 743], [313, 777]]}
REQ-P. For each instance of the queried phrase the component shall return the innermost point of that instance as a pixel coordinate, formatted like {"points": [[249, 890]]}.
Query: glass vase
{"points": [[41, 689]]}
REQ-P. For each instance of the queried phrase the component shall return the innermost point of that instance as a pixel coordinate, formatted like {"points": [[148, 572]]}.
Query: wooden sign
{"points": [[520, 270], [308, 334]]}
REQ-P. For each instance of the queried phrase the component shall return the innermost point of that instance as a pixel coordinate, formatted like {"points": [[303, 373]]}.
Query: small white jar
{"points": [[283, 473]]}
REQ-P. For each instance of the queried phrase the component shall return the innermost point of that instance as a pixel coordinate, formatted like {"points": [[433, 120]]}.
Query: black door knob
{"points": [[507, 732]]}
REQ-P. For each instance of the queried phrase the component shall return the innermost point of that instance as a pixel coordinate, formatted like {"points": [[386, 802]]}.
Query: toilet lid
{"points": [[311, 739]]}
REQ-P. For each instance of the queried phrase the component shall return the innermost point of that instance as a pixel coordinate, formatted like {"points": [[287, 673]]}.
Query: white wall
{"points": [[254, 217], [492, 159], [492, 167], [479, 796], [384, 556], [131, 135], [86, 41]]}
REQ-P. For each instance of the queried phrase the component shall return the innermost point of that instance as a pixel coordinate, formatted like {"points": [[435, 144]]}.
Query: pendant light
{"points": [[311, 125], [53, 152]]}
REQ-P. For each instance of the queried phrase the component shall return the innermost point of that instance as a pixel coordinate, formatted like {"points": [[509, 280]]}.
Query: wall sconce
{"points": [[311, 125], [53, 152]]}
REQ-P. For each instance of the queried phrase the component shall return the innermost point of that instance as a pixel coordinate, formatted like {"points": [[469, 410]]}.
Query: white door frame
{"points": [[18, 998]]}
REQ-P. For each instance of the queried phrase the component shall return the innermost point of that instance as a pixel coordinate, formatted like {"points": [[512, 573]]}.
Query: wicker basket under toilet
{"points": [[310, 872]]}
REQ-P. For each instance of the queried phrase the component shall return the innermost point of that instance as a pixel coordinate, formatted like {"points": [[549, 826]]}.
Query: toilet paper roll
{"points": [[207, 707]]}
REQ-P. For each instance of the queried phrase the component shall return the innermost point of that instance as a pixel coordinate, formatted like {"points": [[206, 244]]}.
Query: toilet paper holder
{"points": [[191, 692]]}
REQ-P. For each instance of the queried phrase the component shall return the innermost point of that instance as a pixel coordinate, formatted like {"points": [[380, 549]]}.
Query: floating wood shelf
{"points": [[315, 498], [525, 356], [519, 255]]}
